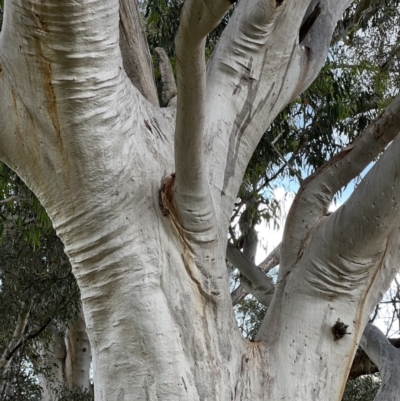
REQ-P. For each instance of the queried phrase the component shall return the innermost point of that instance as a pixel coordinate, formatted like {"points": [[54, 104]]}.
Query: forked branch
{"points": [[316, 193]]}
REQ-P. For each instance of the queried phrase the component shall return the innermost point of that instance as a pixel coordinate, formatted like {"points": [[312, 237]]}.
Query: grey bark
{"points": [[257, 283], [168, 85], [387, 358]]}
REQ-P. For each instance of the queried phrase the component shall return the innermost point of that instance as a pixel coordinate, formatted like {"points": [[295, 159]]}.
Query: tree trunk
{"points": [[65, 361], [52, 364], [142, 196], [78, 355]]}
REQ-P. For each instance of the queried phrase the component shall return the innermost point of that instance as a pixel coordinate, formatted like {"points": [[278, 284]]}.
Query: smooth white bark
{"points": [[152, 276], [258, 62]]}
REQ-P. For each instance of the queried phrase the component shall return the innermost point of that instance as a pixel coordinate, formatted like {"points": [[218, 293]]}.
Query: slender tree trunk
{"points": [[78, 355], [52, 364]]}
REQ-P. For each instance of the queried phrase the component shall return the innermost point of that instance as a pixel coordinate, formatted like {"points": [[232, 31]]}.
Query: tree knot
{"points": [[339, 329]]}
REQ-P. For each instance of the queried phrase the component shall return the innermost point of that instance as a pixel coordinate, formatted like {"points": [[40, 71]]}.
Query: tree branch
{"points": [[11, 198], [362, 7], [169, 90], [387, 358], [135, 50], [259, 285], [316, 192], [192, 195], [238, 294], [272, 260], [266, 265]]}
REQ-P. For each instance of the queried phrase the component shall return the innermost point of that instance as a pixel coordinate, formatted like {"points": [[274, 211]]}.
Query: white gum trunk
{"points": [[149, 252]]}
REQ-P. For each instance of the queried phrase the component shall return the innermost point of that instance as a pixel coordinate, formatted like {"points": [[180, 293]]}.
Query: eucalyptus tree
{"points": [[141, 196]]}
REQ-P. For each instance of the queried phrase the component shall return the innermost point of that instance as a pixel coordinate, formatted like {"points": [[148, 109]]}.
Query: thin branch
{"points": [[10, 199], [293, 171], [39, 330], [271, 260]]}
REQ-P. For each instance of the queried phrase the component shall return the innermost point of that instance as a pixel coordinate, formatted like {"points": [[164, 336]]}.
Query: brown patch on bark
{"points": [[166, 194], [46, 70], [51, 96], [47, 74], [20, 140], [42, 24], [191, 269], [169, 209]]}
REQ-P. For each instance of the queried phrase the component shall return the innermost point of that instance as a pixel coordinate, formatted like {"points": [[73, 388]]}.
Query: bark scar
{"points": [[169, 209]]}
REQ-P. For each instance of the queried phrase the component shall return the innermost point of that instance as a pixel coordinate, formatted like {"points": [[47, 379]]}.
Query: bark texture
{"points": [[135, 50]]}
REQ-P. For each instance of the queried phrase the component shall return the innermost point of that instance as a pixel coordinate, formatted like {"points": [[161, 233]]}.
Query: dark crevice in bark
{"points": [[309, 22]]}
